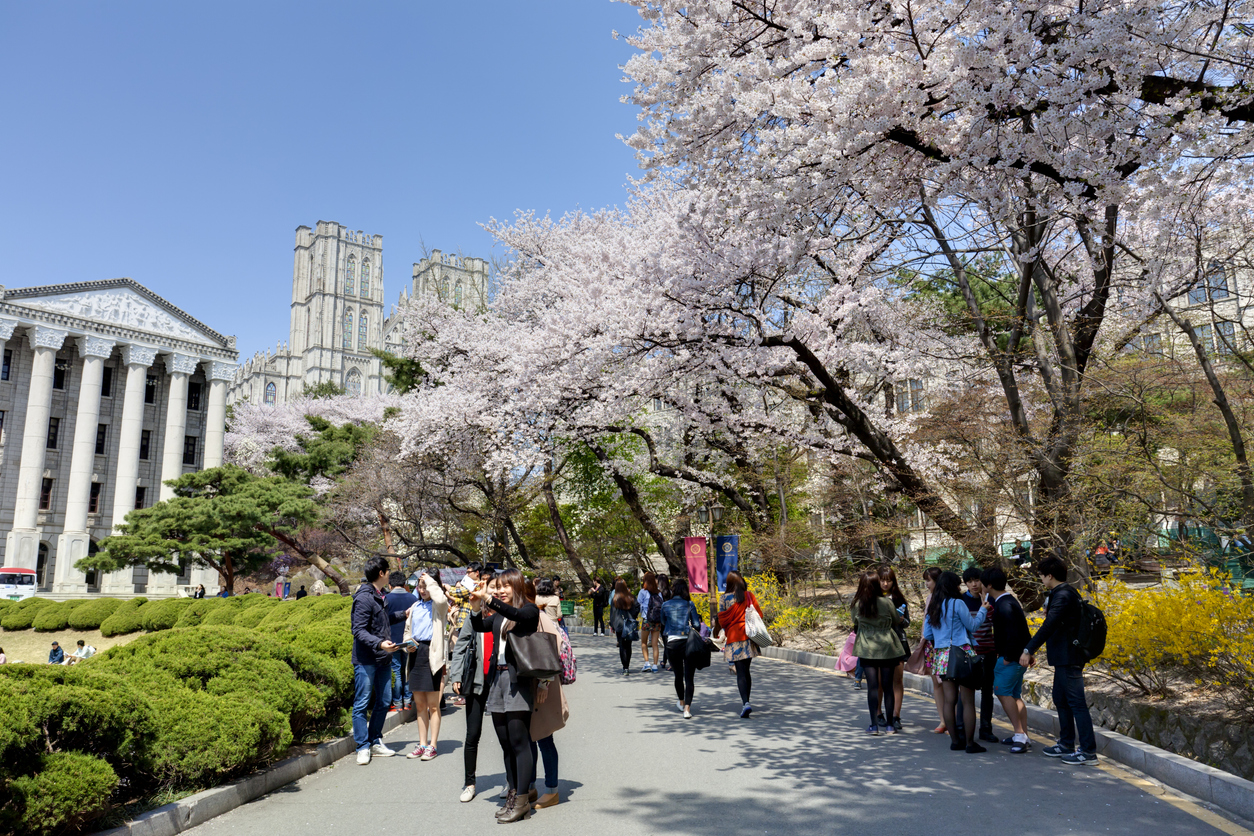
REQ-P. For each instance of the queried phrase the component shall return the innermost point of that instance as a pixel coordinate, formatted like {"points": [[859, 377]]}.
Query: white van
{"points": [[16, 584]]}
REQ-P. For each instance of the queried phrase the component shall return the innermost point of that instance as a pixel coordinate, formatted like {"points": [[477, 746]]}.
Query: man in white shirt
{"points": [[83, 651]]}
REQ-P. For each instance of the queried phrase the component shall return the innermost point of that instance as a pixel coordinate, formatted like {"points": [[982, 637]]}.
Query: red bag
{"points": [[847, 662]]}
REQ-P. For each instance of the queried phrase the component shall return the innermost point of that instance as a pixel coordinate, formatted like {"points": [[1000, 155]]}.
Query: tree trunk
{"points": [[559, 528], [323, 566], [632, 497]]}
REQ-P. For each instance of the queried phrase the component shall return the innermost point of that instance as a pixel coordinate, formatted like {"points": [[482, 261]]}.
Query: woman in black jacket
{"points": [[497, 613], [624, 610]]}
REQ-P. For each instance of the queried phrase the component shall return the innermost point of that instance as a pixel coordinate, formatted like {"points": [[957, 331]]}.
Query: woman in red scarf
{"points": [[738, 651]]}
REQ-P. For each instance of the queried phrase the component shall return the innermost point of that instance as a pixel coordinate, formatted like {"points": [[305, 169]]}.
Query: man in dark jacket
{"points": [[399, 600], [983, 644], [1058, 633], [1010, 636], [372, 661]]}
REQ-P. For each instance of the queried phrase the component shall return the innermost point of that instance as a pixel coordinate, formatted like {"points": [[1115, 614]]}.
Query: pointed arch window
{"points": [[444, 289], [365, 277], [457, 295], [362, 330], [348, 275], [352, 385], [271, 394], [348, 329]]}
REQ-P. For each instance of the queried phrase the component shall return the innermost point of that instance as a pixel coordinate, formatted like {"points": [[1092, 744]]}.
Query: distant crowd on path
{"points": [[977, 640]]}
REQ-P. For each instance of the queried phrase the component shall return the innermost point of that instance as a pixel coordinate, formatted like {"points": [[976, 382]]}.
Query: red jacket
{"points": [[732, 619]]}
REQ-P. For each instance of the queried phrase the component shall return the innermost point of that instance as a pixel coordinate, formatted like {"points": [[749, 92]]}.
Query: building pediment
{"points": [[122, 303]]}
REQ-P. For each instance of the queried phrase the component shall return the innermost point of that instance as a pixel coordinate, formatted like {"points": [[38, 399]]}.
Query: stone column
{"points": [[179, 366], [136, 359], [219, 375], [21, 546], [73, 541]]}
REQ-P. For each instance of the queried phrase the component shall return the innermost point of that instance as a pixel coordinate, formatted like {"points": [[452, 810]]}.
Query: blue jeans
{"points": [[1073, 709], [401, 695], [372, 688], [548, 754]]}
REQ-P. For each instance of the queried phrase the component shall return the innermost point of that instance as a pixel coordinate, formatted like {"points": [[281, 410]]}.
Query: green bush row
{"points": [[179, 709]]}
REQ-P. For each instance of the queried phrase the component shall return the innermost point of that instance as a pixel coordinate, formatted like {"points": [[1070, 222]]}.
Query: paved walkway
{"points": [[803, 763]]}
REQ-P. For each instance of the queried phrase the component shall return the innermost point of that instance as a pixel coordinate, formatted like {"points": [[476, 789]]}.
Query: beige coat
{"points": [[550, 604], [551, 715], [439, 628]]}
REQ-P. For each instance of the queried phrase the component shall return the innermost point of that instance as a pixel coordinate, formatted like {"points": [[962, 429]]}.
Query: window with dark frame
{"points": [[193, 396], [8, 364], [45, 495], [1225, 337], [189, 449], [150, 389], [60, 372], [141, 494], [102, 438], [145, 442], [93, 501], [54, 426], [106, 382], [1, 426]]}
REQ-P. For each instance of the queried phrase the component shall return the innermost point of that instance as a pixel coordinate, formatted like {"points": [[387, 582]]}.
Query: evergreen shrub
{"points": [[22, 615], [93, 613], [127, 618], [164, 614], [53, 617], [68, 789]]}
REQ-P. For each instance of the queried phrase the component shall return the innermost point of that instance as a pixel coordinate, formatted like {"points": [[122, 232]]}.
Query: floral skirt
{"points": [[940, 659], [735, 651]]}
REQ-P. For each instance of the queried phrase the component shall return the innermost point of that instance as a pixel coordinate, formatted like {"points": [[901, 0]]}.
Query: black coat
{"points": [[372, 625], [1060, 629]]}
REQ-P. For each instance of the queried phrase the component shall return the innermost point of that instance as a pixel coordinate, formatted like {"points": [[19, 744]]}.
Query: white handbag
{"points": [[755, 627]]}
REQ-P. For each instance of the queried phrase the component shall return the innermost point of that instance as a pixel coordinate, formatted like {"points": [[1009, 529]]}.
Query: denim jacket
{"points": [[677, 616], [956, 624]]}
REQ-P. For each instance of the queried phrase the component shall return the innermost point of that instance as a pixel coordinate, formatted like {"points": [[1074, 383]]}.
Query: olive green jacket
{"points": [[876, 638]]}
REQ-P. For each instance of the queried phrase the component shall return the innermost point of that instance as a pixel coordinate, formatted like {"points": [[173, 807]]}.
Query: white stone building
{"points": [[106, 391], [338, 314]]}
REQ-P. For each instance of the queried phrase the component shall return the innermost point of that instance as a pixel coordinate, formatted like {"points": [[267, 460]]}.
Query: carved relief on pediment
{"points": [[118, 306]]}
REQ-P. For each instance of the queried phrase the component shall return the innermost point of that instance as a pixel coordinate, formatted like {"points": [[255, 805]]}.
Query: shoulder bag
{"points": [[755, 627], [697, 650], [536, 656], [961, 662]]}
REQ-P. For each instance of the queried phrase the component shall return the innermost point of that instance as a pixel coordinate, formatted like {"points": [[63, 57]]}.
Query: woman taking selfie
{"points": [[426, 625], [738, 651], [498, 613]]}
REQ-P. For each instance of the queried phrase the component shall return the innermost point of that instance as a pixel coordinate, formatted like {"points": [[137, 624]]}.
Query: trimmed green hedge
{"points": [[93, 613], [22, 615], [164, 614], [128, 618], [67, 790], [225, 613]]}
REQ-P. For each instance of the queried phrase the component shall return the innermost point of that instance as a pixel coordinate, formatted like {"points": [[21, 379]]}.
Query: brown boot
{"points": [[547, 800], [510, 801], [532, 795], [521, 810]]}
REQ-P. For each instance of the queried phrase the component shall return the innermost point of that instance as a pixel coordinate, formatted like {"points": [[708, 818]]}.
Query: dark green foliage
{"points": [[19, 728], [204, 738], [22, 615], [93, 613], [127, 618], [199, 609], [225, 613], [162, 615], [67, 790], [401, 373], [57, 616], [255, 613], [325, 389]]}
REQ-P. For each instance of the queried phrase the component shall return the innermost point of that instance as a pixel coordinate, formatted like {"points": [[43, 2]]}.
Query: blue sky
{"points": [[181, 144]]}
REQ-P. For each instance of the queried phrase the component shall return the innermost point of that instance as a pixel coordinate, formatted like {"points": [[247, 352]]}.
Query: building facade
{"points": [[106, 392], [338, 314]]}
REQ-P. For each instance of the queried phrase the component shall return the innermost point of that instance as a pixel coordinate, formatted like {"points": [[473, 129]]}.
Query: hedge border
{"points": [[197, 809]]}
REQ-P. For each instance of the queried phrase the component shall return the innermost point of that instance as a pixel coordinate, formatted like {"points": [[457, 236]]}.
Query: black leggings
{"points": [[879, 686], [683, 671], [474, 728], [598, 618], [624, 651], [513, 729], [744, 680]]}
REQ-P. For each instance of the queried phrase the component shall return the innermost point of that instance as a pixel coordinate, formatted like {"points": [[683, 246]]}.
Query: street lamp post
{"points": [[710, 513]]}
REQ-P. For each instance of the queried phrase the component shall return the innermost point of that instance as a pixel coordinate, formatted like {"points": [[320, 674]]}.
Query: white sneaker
{"points": [[382, 751], [468, 794], [644, 668], [679, 704], [687, 714], [363, 756]]}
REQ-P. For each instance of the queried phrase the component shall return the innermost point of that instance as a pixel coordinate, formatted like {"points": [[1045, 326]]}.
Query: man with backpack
{"points": [[1061, 635]]}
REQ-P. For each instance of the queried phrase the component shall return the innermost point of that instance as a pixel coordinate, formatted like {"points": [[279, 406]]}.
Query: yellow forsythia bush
{"points": [[1199, 630], [766, 588]]}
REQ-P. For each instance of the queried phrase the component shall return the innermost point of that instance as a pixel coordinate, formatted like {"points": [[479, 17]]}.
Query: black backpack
{"points": [[1090, 639], [653, 615]]}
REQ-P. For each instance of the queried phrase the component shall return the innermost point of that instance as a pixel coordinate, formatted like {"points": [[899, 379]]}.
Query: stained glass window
{"points": [[365, 278], [348, 276], [444, 289], [457, 295], [348, 329], [362, 330], [271, 393], [353, 384]]}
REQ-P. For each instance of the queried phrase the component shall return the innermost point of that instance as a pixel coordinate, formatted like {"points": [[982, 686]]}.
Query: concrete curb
{"points": [[1206, 783], [197, 809]]}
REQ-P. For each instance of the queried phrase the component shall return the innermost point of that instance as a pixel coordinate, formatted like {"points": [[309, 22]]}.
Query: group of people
{"points": [[663, 613], [977, 640], [57, 656], [473, 648]]}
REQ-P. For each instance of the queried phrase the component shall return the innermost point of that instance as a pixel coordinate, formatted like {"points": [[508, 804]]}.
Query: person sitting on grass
{"points": [[56, 656]]}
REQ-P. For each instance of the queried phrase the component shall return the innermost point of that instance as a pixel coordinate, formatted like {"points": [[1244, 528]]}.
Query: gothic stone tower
{"points": [[337, 306]]}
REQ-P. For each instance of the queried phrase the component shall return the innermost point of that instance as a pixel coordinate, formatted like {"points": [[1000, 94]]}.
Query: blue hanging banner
{"points": [[727, 549]]}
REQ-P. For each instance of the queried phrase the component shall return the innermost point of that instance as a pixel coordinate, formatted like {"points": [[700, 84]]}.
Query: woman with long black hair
{"points": [[877, 646], [738, 651], [624, 610], [679, 614], [949, 626], [497, 614], [888, 582]]}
